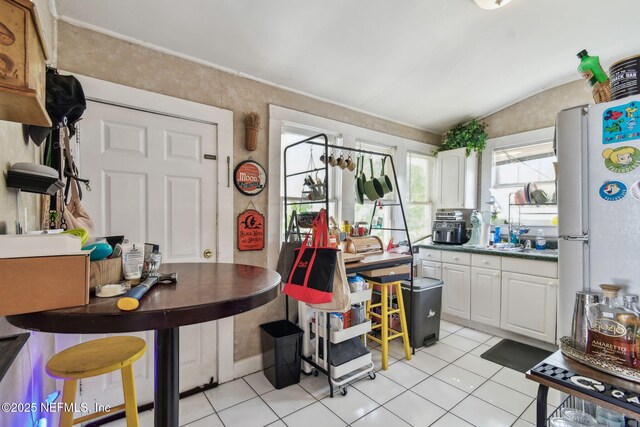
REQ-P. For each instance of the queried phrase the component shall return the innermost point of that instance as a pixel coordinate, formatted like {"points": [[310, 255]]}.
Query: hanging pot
{"points": [[384, 180], [373, 188], [359, 182]]}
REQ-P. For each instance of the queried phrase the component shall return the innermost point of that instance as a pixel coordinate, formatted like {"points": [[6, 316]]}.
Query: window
{"points": [[363, 212], [419, 203], [517, 167], [302, 158]]}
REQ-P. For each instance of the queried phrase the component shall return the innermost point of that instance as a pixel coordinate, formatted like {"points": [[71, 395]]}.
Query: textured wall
{"points": [[25, 380], [103, 57], [538, 111]]}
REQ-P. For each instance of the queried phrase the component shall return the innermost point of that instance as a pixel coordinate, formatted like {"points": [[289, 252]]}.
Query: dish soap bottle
{"points": [[612, 329], [541, 242], [590, 68]]}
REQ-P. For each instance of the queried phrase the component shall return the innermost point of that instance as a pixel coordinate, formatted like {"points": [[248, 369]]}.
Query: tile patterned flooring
{"points": [[443, 385]]}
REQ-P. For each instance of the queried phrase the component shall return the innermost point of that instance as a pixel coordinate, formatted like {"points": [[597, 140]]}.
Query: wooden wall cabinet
{"points": [[22, 64]]}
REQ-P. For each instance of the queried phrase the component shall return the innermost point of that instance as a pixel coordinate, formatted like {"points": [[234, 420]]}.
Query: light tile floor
{"points": [[444, 385]]}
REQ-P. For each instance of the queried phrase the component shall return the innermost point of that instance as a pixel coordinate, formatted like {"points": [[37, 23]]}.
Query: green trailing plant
{"points": [[469, 135]]}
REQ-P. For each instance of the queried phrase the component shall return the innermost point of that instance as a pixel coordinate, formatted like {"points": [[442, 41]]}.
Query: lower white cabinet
{"points": [[528, 305], [456, 292], [485, 296]]}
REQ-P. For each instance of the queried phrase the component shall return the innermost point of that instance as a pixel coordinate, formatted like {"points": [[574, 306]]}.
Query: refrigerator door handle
{"points": [[583, 238]]}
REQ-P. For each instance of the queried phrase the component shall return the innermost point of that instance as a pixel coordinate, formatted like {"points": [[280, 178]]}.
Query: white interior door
{"points": [[151, 183]]}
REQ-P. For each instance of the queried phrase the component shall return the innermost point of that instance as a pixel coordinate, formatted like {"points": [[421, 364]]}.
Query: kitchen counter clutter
{"points": [[547, 254], [516, 292]]}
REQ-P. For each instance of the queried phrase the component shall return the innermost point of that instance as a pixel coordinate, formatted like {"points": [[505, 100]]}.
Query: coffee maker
{"points": [[450, 228]]}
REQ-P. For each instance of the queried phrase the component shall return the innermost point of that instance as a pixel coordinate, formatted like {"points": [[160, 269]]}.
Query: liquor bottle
{"points": [[612, 329], [590, 68]]}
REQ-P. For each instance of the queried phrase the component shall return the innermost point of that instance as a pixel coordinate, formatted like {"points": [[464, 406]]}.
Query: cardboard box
{"points": [[43, 283]]}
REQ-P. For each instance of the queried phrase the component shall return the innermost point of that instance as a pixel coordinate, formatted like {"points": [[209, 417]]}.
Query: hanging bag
{"points": [[341, 295], [288, 254], [312, 273]]}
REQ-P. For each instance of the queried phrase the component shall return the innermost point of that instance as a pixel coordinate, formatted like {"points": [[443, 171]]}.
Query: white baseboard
{"points": [[247, 366]]}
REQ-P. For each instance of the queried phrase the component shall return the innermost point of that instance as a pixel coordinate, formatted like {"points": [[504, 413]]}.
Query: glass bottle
{"points": [[612, 329]]}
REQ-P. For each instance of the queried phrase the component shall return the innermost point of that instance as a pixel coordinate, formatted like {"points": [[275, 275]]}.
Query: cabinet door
{"points": [[485, 296], [450, 179], [529, 306], [456, 292], [432, 270]]}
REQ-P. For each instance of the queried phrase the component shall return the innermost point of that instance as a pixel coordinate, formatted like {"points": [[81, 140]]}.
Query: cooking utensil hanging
{"points": [[359, 181], [372, 187], [384, 180]]}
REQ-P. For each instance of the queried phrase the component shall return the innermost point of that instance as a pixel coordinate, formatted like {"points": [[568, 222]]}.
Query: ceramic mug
{"points": [[340, 162], [351, 165], [332, 160]]}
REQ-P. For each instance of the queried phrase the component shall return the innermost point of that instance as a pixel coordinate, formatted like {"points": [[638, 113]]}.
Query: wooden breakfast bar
{"points": [[204, 292]]}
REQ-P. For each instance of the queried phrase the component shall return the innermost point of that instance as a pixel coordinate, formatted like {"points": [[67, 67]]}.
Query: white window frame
{"points": [[509, 141], [431, 200], [279, 117]]}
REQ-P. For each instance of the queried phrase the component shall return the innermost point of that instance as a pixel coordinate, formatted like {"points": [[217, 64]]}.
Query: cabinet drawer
{"points": [[430, 254], [486, 261], [456, 257], [430, 269], [533, 267]]}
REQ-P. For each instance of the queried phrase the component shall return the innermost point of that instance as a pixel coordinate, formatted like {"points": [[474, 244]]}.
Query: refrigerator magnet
{"points": [[621, 123], [621, 159], [612, 191], [635, 190]]}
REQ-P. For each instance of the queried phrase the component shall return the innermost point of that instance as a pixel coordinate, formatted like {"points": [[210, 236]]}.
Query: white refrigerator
{"points": [[598, 151]]}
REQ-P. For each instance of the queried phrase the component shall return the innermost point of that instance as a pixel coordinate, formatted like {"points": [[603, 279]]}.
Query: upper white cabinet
{"points": [[456, 178]]}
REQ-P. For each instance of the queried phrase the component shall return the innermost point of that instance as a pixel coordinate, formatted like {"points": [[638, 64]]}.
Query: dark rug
{"points": [[515, 355]]}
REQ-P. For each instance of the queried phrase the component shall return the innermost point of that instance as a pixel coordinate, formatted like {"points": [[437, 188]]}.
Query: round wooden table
{"points": [[204, 292]]}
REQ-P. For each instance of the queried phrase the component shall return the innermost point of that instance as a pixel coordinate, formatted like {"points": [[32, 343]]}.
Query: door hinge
{"points": [[210, 157]]}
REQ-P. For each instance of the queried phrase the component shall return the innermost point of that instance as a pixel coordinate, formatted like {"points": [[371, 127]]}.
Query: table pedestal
{"points": [[166, 379]]}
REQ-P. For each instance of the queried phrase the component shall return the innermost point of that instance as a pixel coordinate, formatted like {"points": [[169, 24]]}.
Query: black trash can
{"points": [[281, 349], [426, 304]]}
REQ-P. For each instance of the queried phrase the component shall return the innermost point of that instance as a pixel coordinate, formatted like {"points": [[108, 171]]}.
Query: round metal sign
{"points": [[249, 177]]}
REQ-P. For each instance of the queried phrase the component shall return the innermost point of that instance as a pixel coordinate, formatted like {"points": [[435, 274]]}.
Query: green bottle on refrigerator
{"points": [[590, 68]]}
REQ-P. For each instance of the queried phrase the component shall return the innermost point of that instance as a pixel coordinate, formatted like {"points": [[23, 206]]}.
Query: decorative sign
{"points": [[249, 177], [621, 123], [612, 191], [621, 159], [250, 231]]}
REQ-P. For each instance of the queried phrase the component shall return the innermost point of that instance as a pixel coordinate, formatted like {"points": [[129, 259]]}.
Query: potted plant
{"points": [[471, 136]]}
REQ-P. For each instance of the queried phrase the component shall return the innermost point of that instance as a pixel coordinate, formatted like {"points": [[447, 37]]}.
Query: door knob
{"points": [[208, 253]]}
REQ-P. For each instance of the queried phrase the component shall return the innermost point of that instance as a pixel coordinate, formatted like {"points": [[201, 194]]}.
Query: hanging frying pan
{"points": [[384, 180], [359, 182], [373, 188]]}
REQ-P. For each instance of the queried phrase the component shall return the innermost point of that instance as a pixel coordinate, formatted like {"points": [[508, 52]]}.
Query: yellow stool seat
{"points": [[386, 332], [96, 357], [93, 358]]}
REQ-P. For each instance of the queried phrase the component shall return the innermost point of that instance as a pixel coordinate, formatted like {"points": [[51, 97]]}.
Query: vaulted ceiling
{"points": [[425, 63]]}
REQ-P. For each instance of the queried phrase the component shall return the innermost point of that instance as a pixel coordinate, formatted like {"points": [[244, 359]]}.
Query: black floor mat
{"points": [[515, 355]]}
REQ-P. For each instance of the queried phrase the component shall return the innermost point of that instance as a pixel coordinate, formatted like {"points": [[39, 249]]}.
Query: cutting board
{"points": [[352, 257]]}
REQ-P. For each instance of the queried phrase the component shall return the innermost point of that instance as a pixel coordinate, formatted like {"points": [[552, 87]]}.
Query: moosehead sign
{"points": [[249, 177]]}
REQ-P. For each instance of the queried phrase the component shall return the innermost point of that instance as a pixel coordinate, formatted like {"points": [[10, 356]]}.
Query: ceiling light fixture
{"points": [[491, 4]]}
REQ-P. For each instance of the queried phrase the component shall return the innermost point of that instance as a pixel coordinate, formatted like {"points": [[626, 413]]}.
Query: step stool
{"points": [[386, 332]]}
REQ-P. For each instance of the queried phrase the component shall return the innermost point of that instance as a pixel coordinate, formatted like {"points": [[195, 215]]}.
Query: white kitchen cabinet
{"points": [[485, 296], [430, 269], [456, 178], [528, 305], [456, 291]]}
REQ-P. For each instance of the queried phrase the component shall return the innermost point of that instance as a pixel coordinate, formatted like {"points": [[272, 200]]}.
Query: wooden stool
{"points": [[96, 358], [383, 320]]}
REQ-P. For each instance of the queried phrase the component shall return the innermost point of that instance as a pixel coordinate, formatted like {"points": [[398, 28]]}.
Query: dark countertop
{"points": [[546, 255]]}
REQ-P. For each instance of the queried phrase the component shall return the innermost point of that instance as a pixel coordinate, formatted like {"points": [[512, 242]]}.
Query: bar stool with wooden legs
{"points": [[386, 332], [93, 358]]}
